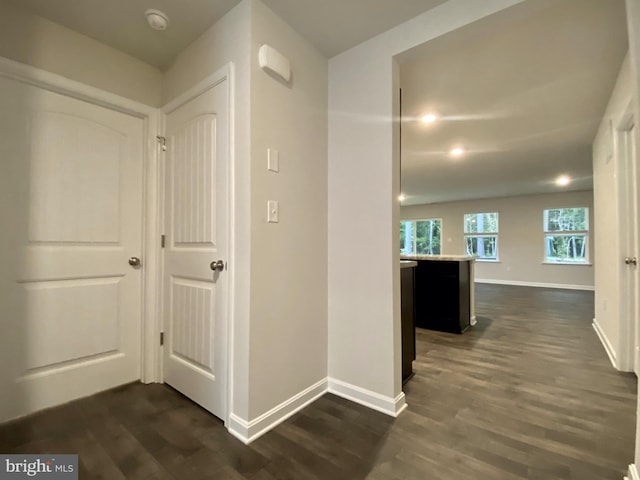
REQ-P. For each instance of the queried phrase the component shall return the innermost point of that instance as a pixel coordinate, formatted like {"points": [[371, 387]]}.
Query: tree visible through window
{"points": [[421, 237], [566, 236], [481, 235]]}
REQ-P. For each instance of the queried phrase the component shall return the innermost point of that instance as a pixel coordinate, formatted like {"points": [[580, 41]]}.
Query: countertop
{"points": [[442, 258], [408, 264]]}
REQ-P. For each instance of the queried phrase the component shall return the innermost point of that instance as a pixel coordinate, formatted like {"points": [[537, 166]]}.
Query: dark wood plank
{"points": [[526, 394]]}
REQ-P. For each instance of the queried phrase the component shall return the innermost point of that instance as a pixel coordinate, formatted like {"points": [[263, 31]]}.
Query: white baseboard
{"points": [[247, 432], [536, 284], [388, 405], [606, 344], [633, 472]]}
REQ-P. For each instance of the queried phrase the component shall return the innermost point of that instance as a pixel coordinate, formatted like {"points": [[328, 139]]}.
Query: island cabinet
{"points": [[407, 312], [444, 293]]}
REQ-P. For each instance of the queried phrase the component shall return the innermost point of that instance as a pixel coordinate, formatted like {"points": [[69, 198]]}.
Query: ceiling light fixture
{"points": [[563, 180], [156, 19], [456, 152], [429, 118]]}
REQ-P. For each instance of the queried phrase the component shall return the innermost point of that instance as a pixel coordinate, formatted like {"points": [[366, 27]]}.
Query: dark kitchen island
{"points": [[444, 292], [408, 315]]}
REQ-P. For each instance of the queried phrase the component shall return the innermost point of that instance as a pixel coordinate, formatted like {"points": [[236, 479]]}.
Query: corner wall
{"points": [[289, 258], [35, 41], [520, 237], [364, 292]]}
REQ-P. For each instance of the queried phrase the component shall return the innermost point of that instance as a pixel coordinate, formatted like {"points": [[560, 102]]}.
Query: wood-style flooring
{"points": [[528, 393]]}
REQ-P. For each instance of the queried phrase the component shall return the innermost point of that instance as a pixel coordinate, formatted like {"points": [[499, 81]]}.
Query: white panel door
{"points": [[196, 229], [629, 281], [71, 211], [633, 251]]}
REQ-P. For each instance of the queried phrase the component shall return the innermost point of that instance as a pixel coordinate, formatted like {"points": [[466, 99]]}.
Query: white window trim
{"points": [[488, 260], [483, 234], [574, 264], [586, 233]]}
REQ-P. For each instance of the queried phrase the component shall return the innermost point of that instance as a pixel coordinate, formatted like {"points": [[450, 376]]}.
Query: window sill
{"points": [[487, 260], [575, 264]]}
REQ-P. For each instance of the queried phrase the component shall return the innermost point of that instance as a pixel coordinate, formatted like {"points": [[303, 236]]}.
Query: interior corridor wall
{"points": [[364, 290]]}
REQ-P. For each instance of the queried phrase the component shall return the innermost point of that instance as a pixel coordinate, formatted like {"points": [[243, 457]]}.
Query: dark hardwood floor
{"points": [[527, 393]]}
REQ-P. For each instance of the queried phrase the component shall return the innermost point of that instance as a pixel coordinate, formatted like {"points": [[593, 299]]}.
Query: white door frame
{"points": [[628, 327], [151, 281], [226, 72]]}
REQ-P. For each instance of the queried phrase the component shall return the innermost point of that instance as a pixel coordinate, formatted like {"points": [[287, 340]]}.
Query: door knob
{"points": [[631, 260], [135, 262], [217, 265]]}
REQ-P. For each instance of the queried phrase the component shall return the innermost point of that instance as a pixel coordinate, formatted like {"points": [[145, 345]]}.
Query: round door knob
{"points": [[217, 265], [135, 262]]}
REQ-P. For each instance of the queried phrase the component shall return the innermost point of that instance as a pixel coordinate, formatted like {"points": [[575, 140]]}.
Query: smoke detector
{"points": [[156, 19]]}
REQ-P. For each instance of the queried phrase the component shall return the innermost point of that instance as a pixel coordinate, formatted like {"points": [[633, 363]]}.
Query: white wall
{"points": [[606, 168], [34, 41], [520, 239], [229, 40], [364, 305], [289, 258]]}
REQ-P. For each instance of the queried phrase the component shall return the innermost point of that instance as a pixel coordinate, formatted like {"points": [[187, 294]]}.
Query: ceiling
{"points": [[333, 26], [523, 91], [121, 24]]}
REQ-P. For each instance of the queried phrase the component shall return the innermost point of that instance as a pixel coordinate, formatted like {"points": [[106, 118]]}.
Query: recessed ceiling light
{"points": [[156, 19], [563, 180], [456, 152], [429, 118]]}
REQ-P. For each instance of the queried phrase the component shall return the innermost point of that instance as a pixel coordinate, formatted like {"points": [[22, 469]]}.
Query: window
{"points": [[566, 235], [481, 235], [421, 237]]}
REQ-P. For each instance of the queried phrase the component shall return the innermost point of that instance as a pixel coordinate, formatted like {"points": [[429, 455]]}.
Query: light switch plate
{"points": [[272, 211], [273, 160]]}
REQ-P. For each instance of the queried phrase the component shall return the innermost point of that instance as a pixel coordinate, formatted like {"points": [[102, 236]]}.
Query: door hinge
{"points": [[162, 141], [161, 338], [162, 240]]}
